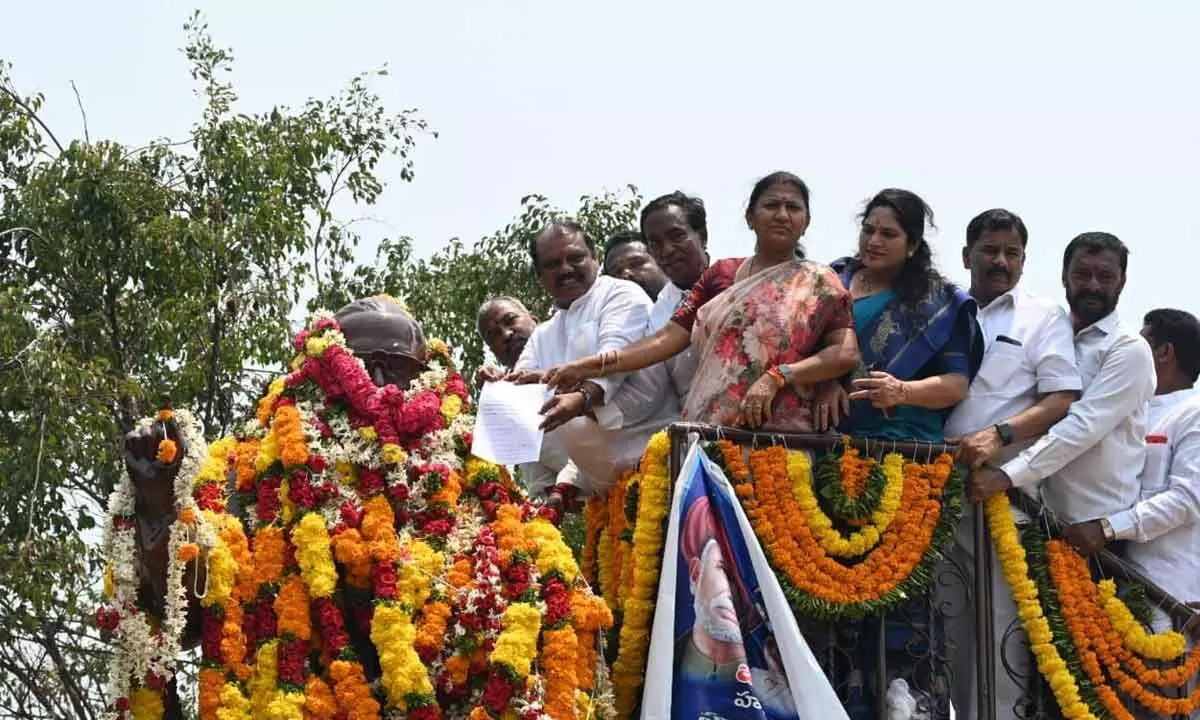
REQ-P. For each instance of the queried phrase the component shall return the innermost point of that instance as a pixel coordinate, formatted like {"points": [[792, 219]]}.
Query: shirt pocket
{"points": [[1005, 370], [1158, 463]]}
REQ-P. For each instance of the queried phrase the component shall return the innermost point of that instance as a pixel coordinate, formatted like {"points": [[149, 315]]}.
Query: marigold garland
{"points": [[818, 584], [1164, 646], [638, 608], [361, 506]]}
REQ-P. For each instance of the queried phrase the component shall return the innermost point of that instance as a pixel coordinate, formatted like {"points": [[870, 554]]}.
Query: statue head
{"points": [[386, 338]]}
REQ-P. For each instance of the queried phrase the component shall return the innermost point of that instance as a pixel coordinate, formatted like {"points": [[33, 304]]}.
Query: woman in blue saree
{"points": [[917, 332]]}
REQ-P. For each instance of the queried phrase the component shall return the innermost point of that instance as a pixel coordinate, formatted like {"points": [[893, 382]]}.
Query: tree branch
{"points": [[324, 219], [65, 677], [20, 102], [78, 101]]}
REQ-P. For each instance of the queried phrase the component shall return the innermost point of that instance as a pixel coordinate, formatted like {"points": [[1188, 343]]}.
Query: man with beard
{"points": [[714, 649], [675, 228], [604, 424], [626, 257], [1089, 462], [505, 325], [1026, 384], [1164, 524]]}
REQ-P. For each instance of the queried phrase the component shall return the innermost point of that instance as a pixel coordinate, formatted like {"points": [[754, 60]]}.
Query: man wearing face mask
{"points": [[1089, 462], [1026, 384], [603, 425]]}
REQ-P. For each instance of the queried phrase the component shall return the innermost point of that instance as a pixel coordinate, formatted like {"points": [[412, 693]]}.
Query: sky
{"points": [[1076, 115]]}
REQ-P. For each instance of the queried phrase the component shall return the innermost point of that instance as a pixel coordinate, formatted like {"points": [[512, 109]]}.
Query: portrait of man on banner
{"points": [[727, 663]]}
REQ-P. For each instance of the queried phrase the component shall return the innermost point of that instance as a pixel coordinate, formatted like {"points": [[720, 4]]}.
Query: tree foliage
{"points": [[446, 290], [131, 273]]}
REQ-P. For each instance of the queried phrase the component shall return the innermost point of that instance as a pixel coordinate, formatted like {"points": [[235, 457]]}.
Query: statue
{"points": [[342, 556]]}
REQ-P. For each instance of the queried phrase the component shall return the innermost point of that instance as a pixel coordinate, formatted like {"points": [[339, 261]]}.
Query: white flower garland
{"points": [[139, 649]]}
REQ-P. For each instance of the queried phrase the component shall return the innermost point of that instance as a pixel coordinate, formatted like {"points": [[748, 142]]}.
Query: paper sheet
{"points": [[506, 422]]}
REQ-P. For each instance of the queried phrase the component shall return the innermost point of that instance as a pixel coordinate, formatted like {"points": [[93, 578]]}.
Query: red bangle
{"points": [[777, 376]]}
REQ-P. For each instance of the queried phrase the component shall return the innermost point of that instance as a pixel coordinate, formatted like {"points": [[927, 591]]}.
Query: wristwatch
{"points": [[1005, 431], [1109, 533]]}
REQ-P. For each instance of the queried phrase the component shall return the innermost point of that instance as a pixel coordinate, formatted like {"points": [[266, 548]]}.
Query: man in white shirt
{"points": [[1025, 384], [1164, 524], [1090, 461], [605, 424], [675, 229], [505, 325], [626, 257]]}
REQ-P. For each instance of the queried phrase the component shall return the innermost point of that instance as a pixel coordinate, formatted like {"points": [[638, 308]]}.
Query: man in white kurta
{"points": [[1025, 384], [1164, 524], [603, 427]]}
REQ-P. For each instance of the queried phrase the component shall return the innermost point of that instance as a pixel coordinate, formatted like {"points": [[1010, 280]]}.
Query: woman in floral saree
{"points": [[766, 328]]}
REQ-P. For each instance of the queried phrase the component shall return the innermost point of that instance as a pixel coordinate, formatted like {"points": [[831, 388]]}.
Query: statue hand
{"points": [[141, 451]]}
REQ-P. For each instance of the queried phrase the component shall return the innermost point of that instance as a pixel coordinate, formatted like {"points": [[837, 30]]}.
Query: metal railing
{"points": [[861, 658]]}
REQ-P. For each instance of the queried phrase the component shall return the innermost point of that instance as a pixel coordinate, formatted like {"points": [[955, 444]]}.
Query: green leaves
{"points": [[127, 273]]}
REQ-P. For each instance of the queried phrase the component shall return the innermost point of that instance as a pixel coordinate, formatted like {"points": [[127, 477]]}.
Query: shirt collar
{"points": [[1106, 325]]}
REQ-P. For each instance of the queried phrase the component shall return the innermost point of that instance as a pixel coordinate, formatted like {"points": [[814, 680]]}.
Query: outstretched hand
{"points": [[566, 377]]}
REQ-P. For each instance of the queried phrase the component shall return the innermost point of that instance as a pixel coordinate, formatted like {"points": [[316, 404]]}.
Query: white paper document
{"points": [[506, 422]]}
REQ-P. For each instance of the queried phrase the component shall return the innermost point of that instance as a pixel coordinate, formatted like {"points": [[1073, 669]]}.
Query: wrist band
{"points": [[777, 376]]}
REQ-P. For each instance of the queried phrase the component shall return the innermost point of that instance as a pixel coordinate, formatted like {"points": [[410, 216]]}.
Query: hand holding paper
{"points": [[507, 423]]}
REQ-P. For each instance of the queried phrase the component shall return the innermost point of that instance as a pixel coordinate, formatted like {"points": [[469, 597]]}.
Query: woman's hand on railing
{"points": [[830, 403], [756, 405]]}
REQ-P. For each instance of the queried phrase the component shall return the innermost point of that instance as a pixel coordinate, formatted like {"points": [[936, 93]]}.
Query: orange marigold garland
{"points": [[900, 566]]}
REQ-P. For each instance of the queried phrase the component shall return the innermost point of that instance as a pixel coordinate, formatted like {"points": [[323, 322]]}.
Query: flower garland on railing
{"points": [[1093, 653], [653, 503], [898, 518], [360, 508], [828, 575]]}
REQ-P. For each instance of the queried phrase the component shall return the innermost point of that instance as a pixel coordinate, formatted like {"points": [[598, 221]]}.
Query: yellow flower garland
{"points": [[553, 555], [262, 684], [314, 556], [863, 539], [1011, 556], [234, 705], [393, 633], [1165, 646], [653, 504], [517, 645]]}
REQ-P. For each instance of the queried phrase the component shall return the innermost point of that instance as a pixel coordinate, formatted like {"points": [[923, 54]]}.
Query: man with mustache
{"points": [[715, 649], [505, 325], [1026, 384], [1164, 524], [1088, 463], [604, 425], [626, 257], [675, 228]]}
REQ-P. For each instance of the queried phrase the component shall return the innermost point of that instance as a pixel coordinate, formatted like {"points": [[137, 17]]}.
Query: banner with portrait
{"points": [[725, 645]]}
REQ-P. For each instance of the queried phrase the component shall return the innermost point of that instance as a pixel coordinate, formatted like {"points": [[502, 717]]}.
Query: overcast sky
{"points": [[1077, 115]]}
